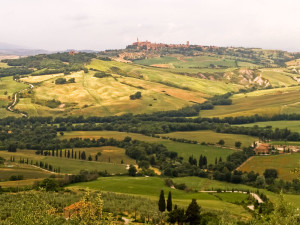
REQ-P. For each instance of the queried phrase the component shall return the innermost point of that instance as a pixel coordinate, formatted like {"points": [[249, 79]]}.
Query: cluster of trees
{"points": [[81, 155], [64, 80], [40, 164], [47, 64], [178, 215], [13, 71], [101, 74], [135, 96]]}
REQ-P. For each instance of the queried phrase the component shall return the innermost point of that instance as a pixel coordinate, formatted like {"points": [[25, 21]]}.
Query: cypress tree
{"points": [[96, 157], [79, 155], [205, 161], [56, 153], [75, 155], [162, 202], [201, 161], [169, 202], [72, 155], [193, 213], [220, 159], [60, 153], [65, 153], [216, 161], [52, 152], [69, 154], [83, 156]]}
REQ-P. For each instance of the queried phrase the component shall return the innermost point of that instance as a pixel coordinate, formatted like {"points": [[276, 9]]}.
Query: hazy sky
{"points": [[111, 24]]}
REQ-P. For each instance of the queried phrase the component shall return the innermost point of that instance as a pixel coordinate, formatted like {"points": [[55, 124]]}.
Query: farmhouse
{"points": [[262, 149]]}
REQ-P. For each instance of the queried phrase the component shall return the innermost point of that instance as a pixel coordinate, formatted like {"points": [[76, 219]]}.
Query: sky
{"points": [[113, 24]]}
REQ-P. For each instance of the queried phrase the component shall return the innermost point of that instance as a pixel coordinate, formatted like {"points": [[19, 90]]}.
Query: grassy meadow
{"points": [[179, 61], [265, 102], [28, 171], [149, 187], [283, 163], [278, 78], [183, 149], [73, 166]]}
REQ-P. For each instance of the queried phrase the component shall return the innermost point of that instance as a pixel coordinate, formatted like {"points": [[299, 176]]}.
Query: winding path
{"points": [[15, 99]]}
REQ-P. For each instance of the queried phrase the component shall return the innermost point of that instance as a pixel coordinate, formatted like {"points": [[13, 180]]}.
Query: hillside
{"points": [[186, 119]]}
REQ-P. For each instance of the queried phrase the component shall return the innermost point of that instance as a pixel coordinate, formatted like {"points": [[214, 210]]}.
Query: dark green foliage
{"points": [[12, 148], [161, 202], [237, 144], [221, 142], [5, 72], [135, 96], [176, 216], [2, 160], [101, 74], [132, 171], [169, 202], [60, 81], [192, 213], [16, 177], [83, 155], [49, 184]]}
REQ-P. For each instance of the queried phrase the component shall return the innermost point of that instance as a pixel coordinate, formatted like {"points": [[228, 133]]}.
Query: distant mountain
{"points": [[6, 46], [11, 49]]}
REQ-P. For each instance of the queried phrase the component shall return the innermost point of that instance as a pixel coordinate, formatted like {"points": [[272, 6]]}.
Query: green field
{"points": [[277, 78], [183, 149], [179, 61], [28, 172], [150, 187], [213, 137], [73, 166], [283, 163], [291, 125], [265, 102]]}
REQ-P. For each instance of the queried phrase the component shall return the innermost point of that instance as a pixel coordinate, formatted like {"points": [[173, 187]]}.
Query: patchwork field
{"points": [[213, 137], [183, 149], [179, 61], [73, 166], [284, 163], [265, 102], [159, 75]]}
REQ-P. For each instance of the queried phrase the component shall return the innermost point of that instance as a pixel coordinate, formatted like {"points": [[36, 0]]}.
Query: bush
{"points": [[137, 95], [60, 81]]}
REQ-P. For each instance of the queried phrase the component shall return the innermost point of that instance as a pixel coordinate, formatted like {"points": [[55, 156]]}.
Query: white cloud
{"points": [[102, 24]]}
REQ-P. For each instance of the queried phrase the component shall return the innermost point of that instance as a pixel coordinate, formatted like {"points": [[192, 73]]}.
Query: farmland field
{"points": [[291, 125], [150, 187], [278, 78], [213, 137], [28, 172], [284, 163], [73, 166], [266, 102], [183, 149], [188, 62]]}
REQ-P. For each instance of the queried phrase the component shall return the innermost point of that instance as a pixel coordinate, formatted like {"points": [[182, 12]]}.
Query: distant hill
{"points": [[11, 49]]}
